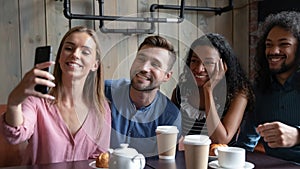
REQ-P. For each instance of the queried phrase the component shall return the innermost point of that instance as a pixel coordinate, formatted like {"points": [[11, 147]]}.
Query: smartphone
{"points": [[42, 54]]}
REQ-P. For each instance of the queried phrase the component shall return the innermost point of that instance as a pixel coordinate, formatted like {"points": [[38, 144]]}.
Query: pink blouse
{"points": [[49, 139]]}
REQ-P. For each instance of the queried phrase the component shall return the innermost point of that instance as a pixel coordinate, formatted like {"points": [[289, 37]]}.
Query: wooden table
{"points": [[261, 161], [258, 159], [63, 165]]}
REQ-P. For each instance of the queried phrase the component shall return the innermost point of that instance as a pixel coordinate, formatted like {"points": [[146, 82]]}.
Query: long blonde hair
{"points": [[93, 91]]}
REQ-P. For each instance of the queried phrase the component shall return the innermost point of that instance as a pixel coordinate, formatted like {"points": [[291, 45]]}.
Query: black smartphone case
{"points": [[42, 54]]}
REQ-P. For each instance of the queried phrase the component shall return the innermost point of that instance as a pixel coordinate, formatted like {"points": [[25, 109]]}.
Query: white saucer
{"points": [[93, 165], [212, 158], [215, 164]]}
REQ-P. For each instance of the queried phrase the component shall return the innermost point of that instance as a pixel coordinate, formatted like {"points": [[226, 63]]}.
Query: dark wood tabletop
{"points": [[261, 161], [62, 165]]}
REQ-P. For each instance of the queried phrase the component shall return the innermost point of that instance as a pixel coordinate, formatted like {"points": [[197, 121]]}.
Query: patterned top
{"points": [[193, 119]]}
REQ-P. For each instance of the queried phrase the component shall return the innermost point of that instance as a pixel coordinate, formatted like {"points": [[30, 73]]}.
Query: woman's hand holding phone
{"points": [[36, 81]]}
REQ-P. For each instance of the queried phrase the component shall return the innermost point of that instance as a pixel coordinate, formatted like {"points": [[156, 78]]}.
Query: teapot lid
{"points": [[125, 151]]}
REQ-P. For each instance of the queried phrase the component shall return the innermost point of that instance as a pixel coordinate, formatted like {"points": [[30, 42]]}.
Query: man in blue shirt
{"points": [[276, 118], [138, 106]]}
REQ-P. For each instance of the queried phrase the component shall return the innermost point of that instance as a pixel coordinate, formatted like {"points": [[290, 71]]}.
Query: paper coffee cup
{"points": [[196, 150], [166, 141]]}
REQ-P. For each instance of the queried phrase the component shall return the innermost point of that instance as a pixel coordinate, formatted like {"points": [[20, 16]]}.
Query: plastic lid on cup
{"points": [[166, 129], [197, 140]]}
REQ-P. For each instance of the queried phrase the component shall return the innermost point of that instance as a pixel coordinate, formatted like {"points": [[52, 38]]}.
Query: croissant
{"points": [[213, 147], [102, 160]]}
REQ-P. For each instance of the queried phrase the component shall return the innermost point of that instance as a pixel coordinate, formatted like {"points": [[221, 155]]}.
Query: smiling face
{"points": [[149, 68], [78, 55], [203, 61], [280, 51]]}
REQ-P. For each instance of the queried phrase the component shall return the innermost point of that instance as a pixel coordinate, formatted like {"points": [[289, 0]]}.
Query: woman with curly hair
{"points": [[213, 91]]}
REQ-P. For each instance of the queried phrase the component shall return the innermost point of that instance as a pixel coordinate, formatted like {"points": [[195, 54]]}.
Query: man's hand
{"points": [[277, 134]]}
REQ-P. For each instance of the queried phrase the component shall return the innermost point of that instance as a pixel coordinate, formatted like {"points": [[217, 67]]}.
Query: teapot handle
{"points": [[216, 151], [140, 157]]}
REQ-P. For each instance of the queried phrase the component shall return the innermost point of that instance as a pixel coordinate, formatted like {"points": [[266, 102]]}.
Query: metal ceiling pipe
{"points": [[217, 10], [68, 14]]}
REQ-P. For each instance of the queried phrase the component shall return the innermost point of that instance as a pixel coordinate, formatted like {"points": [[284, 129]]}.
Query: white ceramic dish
{"points": [[93, 165], [212, 158], [215, 164]]}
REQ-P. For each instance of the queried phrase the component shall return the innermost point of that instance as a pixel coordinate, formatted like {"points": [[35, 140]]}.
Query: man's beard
{"points": [[284, 68], [148, 88]]}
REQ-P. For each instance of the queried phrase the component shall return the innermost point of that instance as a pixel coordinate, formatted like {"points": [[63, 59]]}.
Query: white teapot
{"points": [[125, 157]]}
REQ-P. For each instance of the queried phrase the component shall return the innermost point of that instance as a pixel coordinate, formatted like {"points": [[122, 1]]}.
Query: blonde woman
{"points": [[72, 121]]}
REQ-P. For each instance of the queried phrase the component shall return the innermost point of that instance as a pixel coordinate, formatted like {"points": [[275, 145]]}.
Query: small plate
{"points": [[212, 158], [215, 164], [93, 165]]}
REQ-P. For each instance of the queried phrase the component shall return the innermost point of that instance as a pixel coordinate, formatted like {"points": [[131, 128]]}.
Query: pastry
{"points": [[102, 160]]}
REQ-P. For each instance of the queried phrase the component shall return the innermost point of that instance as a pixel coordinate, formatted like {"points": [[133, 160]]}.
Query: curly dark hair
{"points": [[236, 79], [288, 20]]}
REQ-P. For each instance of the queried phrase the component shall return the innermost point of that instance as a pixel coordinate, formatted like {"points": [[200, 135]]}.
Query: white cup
{"points": [[196, 150], [166, 141], [231, 157]]}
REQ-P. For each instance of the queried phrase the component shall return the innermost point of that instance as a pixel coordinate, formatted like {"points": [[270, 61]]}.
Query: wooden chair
{"points": [[10, 155]]}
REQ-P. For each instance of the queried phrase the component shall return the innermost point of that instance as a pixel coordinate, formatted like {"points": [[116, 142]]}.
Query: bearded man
{"points": [[137, 105], [276, 118]]}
